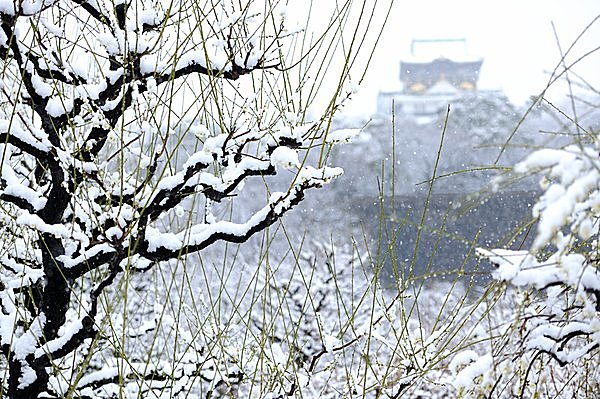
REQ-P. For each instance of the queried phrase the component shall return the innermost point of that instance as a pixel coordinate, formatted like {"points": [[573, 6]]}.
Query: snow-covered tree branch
{"points": [[557, 281]]}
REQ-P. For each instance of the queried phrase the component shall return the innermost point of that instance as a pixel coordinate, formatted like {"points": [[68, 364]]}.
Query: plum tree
{"points": [[97, 98]]}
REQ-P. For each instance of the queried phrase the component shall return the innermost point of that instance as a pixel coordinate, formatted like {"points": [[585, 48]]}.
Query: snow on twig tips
{"points": [[285, 157], [342, 136]]}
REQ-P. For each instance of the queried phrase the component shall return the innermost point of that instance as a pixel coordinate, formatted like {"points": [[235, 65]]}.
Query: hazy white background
{"points": [[514, 37]]}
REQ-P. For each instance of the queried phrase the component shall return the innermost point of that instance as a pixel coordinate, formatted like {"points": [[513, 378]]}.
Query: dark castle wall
{"points": [[452, 228]]}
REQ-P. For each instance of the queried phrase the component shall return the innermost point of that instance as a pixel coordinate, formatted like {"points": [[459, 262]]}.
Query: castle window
{"points": [[467, 86], [417, 87]]}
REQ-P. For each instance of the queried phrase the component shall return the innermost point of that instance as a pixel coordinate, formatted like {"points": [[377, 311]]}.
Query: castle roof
{"points": [[418, 77]]}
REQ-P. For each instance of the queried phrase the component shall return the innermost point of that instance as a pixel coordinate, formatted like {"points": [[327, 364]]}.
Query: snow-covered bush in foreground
{"points": [[92, 93], [552, 344]]}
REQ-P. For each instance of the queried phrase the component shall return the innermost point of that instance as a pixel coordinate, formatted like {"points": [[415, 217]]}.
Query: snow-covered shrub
{"points": [[551, 345], [329, 330]]}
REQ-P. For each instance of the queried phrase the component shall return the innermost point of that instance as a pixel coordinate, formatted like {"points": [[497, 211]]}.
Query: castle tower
{"points": [[430, 83]]}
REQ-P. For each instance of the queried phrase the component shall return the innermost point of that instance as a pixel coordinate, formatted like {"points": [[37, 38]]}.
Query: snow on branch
{"points": [[162, 246], [557, 280]]}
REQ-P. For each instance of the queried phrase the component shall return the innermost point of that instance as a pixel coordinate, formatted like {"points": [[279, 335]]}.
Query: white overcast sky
{"points": [[514, 37]]}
